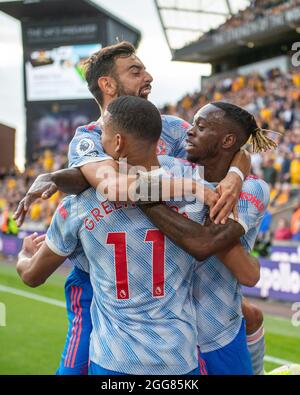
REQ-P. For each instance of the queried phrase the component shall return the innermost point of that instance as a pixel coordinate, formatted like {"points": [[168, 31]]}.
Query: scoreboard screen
{"points": [[56, 73]]}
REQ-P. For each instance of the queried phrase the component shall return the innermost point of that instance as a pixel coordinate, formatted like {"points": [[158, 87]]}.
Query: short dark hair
{"points": [[136, 116], [248, 126], [102, 64]]}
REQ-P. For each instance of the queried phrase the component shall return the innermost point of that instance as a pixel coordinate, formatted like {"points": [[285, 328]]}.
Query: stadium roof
{"points": [[26, 10], [185, 21]]}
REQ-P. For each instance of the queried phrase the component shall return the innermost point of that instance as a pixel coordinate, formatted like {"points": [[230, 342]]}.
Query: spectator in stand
{"points": [[295, 218], [269, 171], [296, 235], [266, 223], [48, 161], [283, 231], [36, 211], [280, 194], [285, 175], [257, 9], [295, 167]]}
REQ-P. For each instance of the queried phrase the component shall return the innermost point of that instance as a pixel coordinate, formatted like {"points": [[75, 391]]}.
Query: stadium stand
{"points": [[257, 9], [14, 185]]}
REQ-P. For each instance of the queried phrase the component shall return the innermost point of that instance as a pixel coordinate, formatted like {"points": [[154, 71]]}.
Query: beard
{"points": [[203, 154], [122, 91]]}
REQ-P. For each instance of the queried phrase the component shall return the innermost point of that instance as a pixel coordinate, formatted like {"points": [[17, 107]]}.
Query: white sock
{"points": [[256, 347]]}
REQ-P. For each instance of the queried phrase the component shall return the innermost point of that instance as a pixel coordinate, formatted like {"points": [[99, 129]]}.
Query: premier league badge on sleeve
{"points": [[85, 146]]}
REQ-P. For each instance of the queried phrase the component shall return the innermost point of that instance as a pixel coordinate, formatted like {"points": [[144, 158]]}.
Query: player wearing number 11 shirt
{"points": [[142, 313], [143, 317]]}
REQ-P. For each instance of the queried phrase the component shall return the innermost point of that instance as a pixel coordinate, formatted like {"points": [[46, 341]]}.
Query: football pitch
{"points": [[35, 328]]}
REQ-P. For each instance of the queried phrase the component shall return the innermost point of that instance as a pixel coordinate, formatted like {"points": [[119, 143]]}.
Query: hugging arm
{"points": [[69, 181], [204, 241], [198, 240], [118, 187]]}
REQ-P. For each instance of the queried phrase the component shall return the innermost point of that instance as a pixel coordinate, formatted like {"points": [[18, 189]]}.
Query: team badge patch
{"points": [[85, 146]]}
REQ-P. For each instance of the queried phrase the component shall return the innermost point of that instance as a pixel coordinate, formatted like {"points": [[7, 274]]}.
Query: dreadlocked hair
{"points": [[256, 136]]}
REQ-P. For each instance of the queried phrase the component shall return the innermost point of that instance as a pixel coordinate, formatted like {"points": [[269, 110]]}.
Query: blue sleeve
{"points": [[177, 130], [86, 147], [253, 203], [182, 127], [62, 235]]}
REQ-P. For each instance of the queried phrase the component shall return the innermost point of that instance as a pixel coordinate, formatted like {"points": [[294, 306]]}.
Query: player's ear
{"points": [[107, 85], [119, 143], [229, 141]]}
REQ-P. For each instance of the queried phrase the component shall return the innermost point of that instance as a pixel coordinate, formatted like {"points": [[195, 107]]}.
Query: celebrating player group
{"points": [[159, 222]]}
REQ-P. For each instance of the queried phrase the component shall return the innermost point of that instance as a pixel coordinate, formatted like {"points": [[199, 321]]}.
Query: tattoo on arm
{"points": [[70, 181]]}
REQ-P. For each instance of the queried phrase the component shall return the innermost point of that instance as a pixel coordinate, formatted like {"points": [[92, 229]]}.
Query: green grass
{"points": [[34, 335], [282, 340], [33, 339]]}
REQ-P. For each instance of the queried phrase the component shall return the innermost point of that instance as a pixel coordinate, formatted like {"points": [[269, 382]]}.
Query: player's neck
{"points": [[215, 169], [148, 160]]}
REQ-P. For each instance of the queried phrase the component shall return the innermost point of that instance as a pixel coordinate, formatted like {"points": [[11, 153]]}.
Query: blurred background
{"points": [[243, 51]]}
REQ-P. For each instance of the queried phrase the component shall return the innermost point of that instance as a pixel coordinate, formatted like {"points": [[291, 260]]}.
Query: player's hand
{"points": [[210, 197], [43, 187], [32, 243], [229, 190]]}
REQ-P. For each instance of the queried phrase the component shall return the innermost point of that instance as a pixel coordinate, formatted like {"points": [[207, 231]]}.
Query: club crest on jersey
{"points": [[85, 146], [123, 294], [161, 148]]}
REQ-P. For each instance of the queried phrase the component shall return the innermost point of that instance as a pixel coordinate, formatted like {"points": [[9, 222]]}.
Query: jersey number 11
{"points": [[157, 238]]}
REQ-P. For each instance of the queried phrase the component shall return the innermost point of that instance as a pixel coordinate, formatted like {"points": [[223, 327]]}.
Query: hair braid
{"points": [[257, 136], [260, 141]]}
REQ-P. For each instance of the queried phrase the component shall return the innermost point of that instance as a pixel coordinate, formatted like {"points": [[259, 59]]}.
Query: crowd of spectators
{"points": [[256, 10], [15, 184]]}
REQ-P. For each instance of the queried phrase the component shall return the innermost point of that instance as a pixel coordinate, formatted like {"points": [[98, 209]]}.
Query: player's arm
{"points": [[123, 187], [244, 267], [105, 175], [230, 188], [204, 241], [41, 256], [117, 187], [198, 240], [36, 262], [69, 181]]}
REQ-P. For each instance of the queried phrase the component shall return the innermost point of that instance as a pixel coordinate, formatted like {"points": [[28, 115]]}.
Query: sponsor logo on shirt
{"points": [[253, 199]]}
